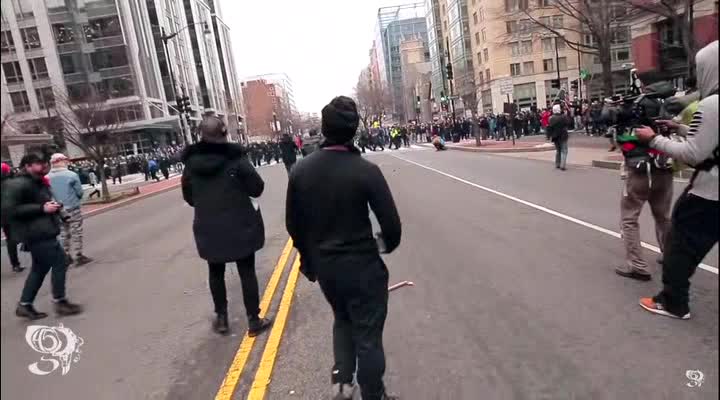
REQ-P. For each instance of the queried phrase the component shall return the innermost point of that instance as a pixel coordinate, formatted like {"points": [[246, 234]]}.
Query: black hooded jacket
{"points": [[327, 210], [219, 182], [23, 198], [288, 149]]}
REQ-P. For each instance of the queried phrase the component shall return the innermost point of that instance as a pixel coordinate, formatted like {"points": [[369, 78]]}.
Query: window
{"points": [[12, 72], [515, 49], [38, 69], [515, 5], [525, 25], [7, 44], [67, 62], [109, 58], [557, 21], [484, 35], [621, 35], [548, 65], [30, 38], [543, 3], [475, 18], [78, 92], [486, 53], [561, 44], [526, 47], [479, 56], [511, 26], [562, 63], [477, 38], [481, 78], [545, 21], [45, 98], [116, 87], [23, 9], [515, 69], [621, 55], [529, 67], [589, 39], [63, 33], [487, 74], [20, 101], [102, 28], [618, 11], [482, 14]]}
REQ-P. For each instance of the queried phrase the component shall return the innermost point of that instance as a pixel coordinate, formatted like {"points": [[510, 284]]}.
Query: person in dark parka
{"points": [[221, 185], [288, 150], [327, 216]]}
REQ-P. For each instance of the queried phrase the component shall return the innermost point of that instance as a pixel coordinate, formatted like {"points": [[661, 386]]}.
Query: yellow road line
{"points": [[227, 388], [267, 362]]}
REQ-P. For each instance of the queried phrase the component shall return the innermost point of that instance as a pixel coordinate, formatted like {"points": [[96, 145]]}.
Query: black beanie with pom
{"points": [[340, 120]]}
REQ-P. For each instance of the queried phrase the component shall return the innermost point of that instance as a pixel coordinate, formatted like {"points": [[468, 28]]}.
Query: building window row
{"points": [[528, 68], [95, 29], [7, 44], [20, 101], [13, 73], [38, 68], [521, 48], [45, 98], [549, 64]]}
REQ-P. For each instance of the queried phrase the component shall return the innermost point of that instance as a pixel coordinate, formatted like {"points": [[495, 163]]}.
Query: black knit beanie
{"points": [[340, 120]]}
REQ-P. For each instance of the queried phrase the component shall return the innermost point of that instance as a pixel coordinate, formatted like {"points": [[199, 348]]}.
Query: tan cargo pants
{"points": [[656, 189]]}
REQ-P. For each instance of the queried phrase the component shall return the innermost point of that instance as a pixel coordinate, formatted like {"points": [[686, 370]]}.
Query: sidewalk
{"points": [[499, 146], [585, 156], [145, 191]]}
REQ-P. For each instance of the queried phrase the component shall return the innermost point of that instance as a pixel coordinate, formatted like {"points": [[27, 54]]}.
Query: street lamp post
{"points": [[184, 125]]}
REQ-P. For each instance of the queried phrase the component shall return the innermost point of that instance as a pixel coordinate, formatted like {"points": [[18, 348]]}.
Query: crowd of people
{"points": [[328, 197]]}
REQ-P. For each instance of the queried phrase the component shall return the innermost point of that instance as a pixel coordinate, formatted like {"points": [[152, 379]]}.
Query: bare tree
{"points": [[92, 126], [572, 21], [372, 101]]}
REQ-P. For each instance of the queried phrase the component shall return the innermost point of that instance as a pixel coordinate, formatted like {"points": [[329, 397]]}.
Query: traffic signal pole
{"points": [[176, 94], [579, 78]]}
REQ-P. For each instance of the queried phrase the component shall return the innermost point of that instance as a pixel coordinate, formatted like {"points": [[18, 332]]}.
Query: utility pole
{"points": [[185, 130], [557, 60], [579, 77]]}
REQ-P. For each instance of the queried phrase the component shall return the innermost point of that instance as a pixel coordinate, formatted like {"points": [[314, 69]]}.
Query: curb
{"points": [[534, 149], [128, 201], [607, 164]]}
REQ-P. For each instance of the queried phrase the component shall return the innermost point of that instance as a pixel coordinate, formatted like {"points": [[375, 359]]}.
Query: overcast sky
{"points": [[321, 44]]}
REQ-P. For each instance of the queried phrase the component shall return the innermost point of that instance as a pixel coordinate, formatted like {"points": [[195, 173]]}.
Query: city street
{"points": [[514, 297]]}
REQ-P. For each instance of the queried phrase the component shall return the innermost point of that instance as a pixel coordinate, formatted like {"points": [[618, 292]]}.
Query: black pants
{"points": [[46, 255], [358, 296], [693, 233], [117, 178], [153, 174], [166, 173], [248, 279], [12, 245]]}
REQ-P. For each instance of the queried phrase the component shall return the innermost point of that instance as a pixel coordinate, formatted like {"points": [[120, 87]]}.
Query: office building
{"points": [[56, 51], [512, 53], [269, 105], [394, 25]]}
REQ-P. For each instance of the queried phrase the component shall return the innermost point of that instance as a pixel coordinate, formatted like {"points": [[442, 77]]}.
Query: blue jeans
{"points": [[561, 151], [46, 255]]}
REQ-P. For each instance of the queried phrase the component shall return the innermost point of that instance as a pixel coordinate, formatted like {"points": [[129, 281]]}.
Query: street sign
{"points": [[506, 86], [584, 74]]}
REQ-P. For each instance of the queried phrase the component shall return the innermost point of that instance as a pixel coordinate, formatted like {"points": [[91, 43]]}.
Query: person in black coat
{"points": [[327, 217], [29, 207], [558, 132], [288, 151], [221, 185]]}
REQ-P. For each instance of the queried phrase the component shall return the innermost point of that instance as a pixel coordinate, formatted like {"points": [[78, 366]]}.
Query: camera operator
{"points": [[27, 202], [695, 216]]}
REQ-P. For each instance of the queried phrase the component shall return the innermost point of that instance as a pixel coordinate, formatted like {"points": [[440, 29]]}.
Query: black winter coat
{"points": [[557, 129], [288, 149], [219, 182], [23, 198]]}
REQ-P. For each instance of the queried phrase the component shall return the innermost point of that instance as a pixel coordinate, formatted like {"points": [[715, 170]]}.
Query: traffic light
{"points": [[574, 85], [443, 99], [186, 104], [449, 71], [556, 83], [417, 98], [180, 105]]}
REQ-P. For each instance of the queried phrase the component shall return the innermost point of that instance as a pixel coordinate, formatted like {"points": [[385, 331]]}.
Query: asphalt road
{"points": [[509, 302]]}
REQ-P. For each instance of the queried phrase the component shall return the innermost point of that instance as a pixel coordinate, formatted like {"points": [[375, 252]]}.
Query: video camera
{"points": [[646, 108]]}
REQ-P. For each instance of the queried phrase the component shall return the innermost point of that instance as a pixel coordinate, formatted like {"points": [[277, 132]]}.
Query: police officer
{"points": [[337, 247]]}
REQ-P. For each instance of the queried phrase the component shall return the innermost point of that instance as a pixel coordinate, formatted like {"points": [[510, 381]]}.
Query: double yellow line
{"points": [[267, 362]]}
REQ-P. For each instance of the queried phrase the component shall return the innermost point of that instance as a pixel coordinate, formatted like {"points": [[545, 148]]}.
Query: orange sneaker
{"points": [[654, 307]]}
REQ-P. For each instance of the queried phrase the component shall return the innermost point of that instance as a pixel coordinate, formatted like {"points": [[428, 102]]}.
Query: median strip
{"points": [[267, 362], [227, 388]]}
